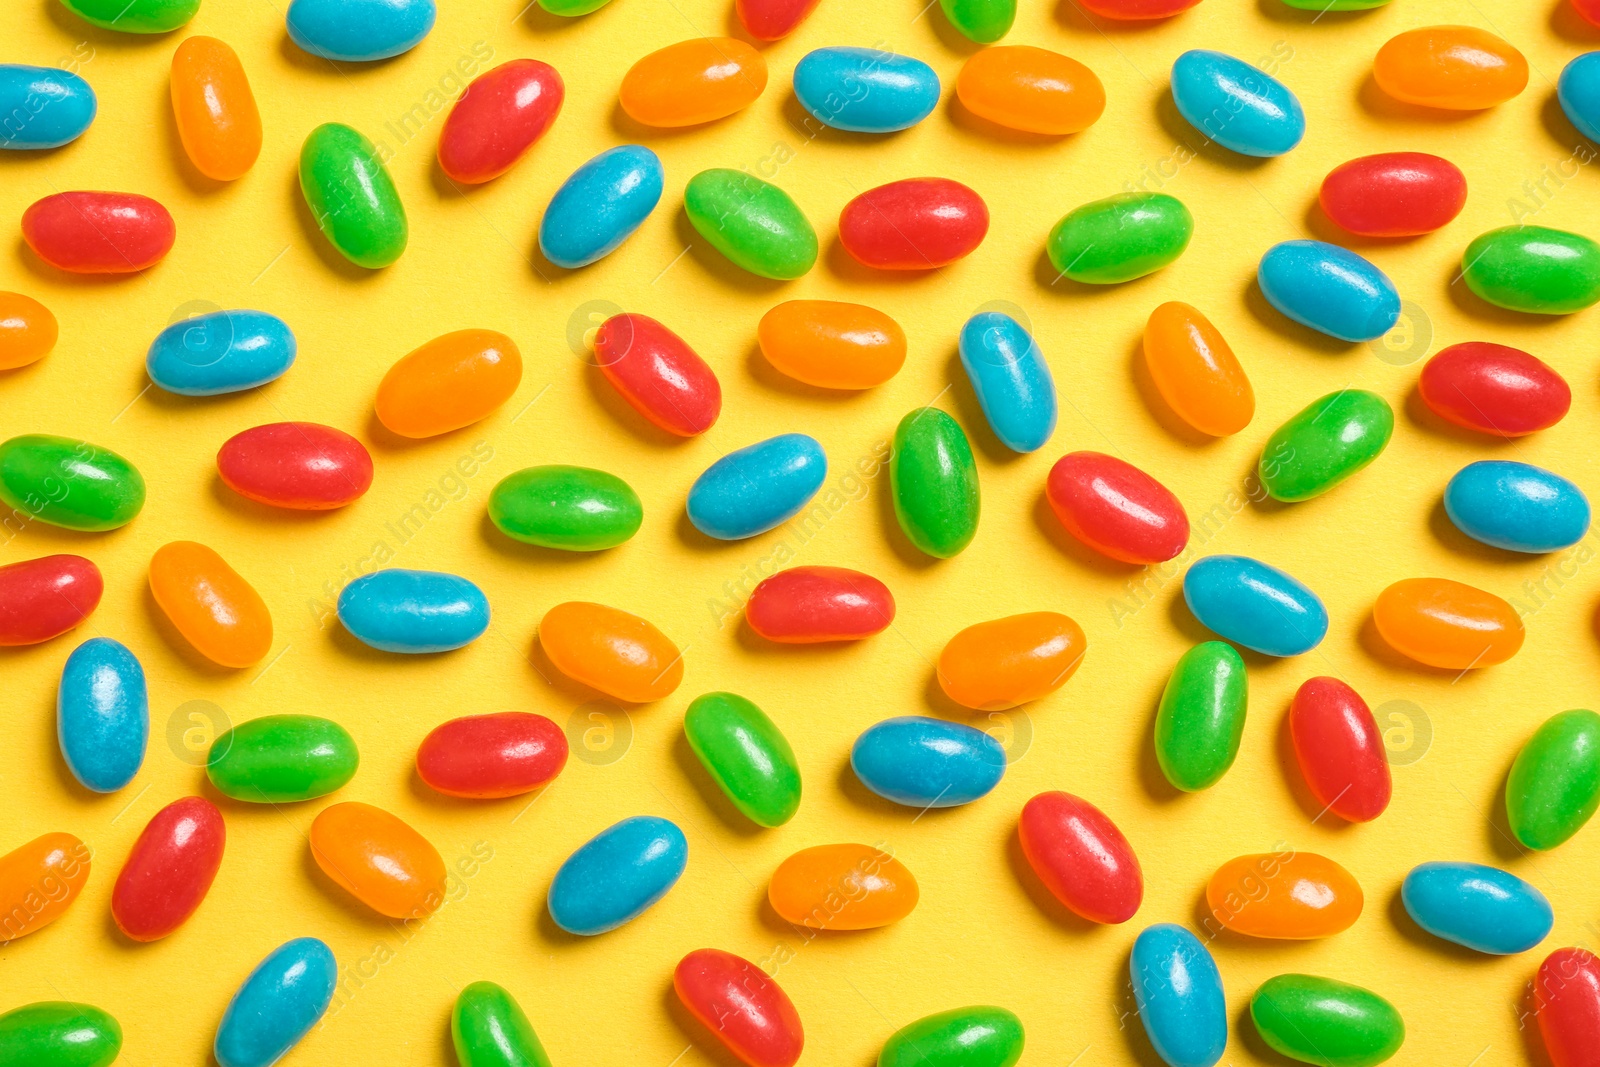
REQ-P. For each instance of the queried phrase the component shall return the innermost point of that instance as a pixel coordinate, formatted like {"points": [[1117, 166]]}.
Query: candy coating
{"points": [[1001, 663], [617, 875], [103, 714], [210, 604]]}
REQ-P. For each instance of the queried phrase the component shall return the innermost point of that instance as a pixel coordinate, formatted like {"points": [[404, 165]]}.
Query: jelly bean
{"points": [[1516, 506], [934, 481], [1339, 749], [757, 488], [699, 80], [45, 107], [980, 1036], [277, 1005], [1031, 89], [753, 223], [169, 870], [984, 21], [1494, 389], [69, 483], [351, 196], [741, 1006], [56, 862], [1533, 269], [1330, 289], [99, 233], [28, 330], [1334, 5], [573, 508], [1460, 68], [45, 597], [378, 859], [1578, 89], [134, 16], [1178, 989], [210, 604], [1554, 785], [1484, 908], [1081, 857], [1116, 509], [221, 352], [281, 759], [831, 344], [58, 1033], [1011, 379], [842, 887], [1321, 1021], [360, 31], [773, 20], [454, 380], [999, 664], [216, 114], [617, 875], [1120, 238], [572, 8], [493, 124], [103, 714], [1393, 194], [1590, 10], [489, 1029], [1567, 991], [399, 610], [914, 224], [600, 206], [865, 90], [807, 605], [1146, 9], [1255, 605], [658, 374], [1196, 372], [489, 756], [1447, 624], [1235, 104], [299, 465], [1200, 719], [1289, 895], [922, 762], [1326, 442], [746, 754], [619, 654]]}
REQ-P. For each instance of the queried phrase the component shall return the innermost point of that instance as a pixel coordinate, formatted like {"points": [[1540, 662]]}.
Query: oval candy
{"points": [[300, 465], [1326, 442], [865, 90], [1001, 663], [1516, 506], [613, 651], [757, 488], [134, 16], [983, 21], [1321, 1021], [746, 754], [1578, 89], [1554, 784], [99, 233], [277, 1004], [214, 109], [617, 875], [699, 80], [360, 31], [1116, 509], [842, 887], [169, 870], [571, 508], [210, 604], [28, 330], [1201, 717], [1339, 749], [1494, 389], [1120, 238], [1284, 895], [741, 1006], [1235, 104], [497, 120], [46, 597], [378, 859], [923, 762], [658, 374], [1081, 857], [351, 196], [773, 20], [69, 483], [914, 224], [1196, 372], [103, 714], [980, 1036], [409, 611], [934, 481], [1178, 989], [56, 861], [1484, 908], [831, 344], [45, 107], [1330, 289], [453, 381], [1460, 68], [221, 352], [487, 756], [1393, 194], [1011, 379], [1128, 10], [282, 759], [1447, 624], [489, 1029], [808, 605], [600, 206], [1255, 605], [1533, 269], [1031, 89], [59, 1033], [756, 225], [1567, 992]]}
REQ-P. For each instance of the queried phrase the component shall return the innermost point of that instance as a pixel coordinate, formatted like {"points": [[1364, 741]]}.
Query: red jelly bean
{"points": [[1589, 9], [1395, 194], [484, 756], [805, 605], [658, 374], [170, 870], [1340, 750], [1138, 9], [494, 123], [1494, 389], [742, 1007], [1567, 1001], [98, 233], [915, 224], [770, 20], [45, 597], [1116, 508], [1081, 857], [301, 465]]}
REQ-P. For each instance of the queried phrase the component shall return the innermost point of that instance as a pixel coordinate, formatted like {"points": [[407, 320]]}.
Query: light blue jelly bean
{"points": [[600, 206], [400, 610], [1254, 605], [103, 714], [865, 90], [1516, 506], [1011, 378], [360, 31], [1579, 92], [1235, 104], [617, 875], [43, 107], [758, 487], [1179, 992], [221, 352], [927, 763], [1484, 908], [1330, 289], [281, 1000]]}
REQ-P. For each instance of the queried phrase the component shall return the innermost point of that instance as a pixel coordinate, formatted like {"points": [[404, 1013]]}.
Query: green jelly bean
{"points": [[282, 758], [57, 1033], [1335, 5], [490, 1030], [746, 755], [1201, 717], [1534, 268], [980, 1036], [134, 16], [984, 21], [1554, 785], [576, 508], [1328, 441], [1328, 1023], [67, 482], [934, 481], [572, 8], [351, 196], [752, 222], [1120, 238]]}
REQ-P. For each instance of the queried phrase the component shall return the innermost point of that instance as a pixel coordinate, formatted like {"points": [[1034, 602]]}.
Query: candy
{"points": [[378, 859], [1578, 89], [1554, 784], [1178, 989], [1567, 993], [488, 756], [1011, 379], [45, 597], [924, 763], [1150, 9], [1116, 509], [493, 124], [1533, 269], [210, 604], [914, 224], [934, 482], [699, 80], [45, 107], [489, 1029], [1081, 857], [600, 206], [772, 20], [58, 1033], [1200, 719], [1393, 194], [865, 90], [1196, 372], [221, 352], [1031, 89], [299, 465], [69, 483], [572, 508], [351, 196], [658, 374], [1001, 663], [617, 875], [277, 1005], [1330, 289], [831, 344], [619, 654], [1326, 442], [984, 21], [572, 8], [99, 233], [1334, 5], [1255, 605], [807, 605], [1339, 749], [1516, 506], [1236, 105], [753, 223], [1493, 389], [282, 759], [38, 883], [979, 1036], [1120, 238], [214, 109], [399, 610], [1460, 68], [170, 869], [758, 487], [28, 330], [1321, 1021], [360, 31], [741, 1006], [102, 714], [842, 887], [1288, 895], [454, 380], [1447, 624], [134, 16], [1484, 908], [746, 754], [1590, 10]]}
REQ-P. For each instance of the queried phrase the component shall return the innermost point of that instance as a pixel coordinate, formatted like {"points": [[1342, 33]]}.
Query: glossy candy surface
{"points": [[28, 330], [378, 859], [619, 654], [1195, 370], [1321, 1021], [1120, 238], [1148, 9], [221, 352], [699, 80], [1011, 379], [1567, 992], [46, 107], [1335, 5], [351, 196], [984, 21], [1339, 749], [210, 604], [56, 861], [1460, 68], [1288, 895], [658, 374], [832, 344], [1001, 663], [103, 714], [1031, 89], [1255, 605], [1330, 289], [134, 16], [360, 31], [600, 206], [454, 380], [754, 223], [1116, 509], [1178, 989], [842, 887], [399, 610], [1484, 908], [865, 90], [1081, 857], [1393, 194], [1235, 104], [807, 605], [1201, 717], [497, 120], [1447, 624], [979, 1036], [772, 20], [1533, 269], [741, 1006], [1578, 89], [1326, 442], [934, 481], [913, 224], [1494, 389], [300, 465], [69, 483], [99, 233], [746, 754], [758, 487], [572, 508], [617, 875], [1516, 506], [277, 1005], [923, 762], [281, 759], [214, 108], [58, 1033], [169, 870], [489, 1029], [45, 597], [486, 756], [1554, 784]]}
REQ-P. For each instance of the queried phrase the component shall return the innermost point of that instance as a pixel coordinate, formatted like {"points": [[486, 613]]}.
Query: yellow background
{"points": [[984, 932]]}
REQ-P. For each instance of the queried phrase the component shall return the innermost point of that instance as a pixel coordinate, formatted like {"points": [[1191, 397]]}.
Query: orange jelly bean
{"points": [[1447, 624], [207, 601], [619, 654], [831, 344], [1289, 895], [842, 887], [1031, 89], [379, 860], [450, 382], [1005, 662], [1460, 68], [38, 883], [694, 81], [1196, 372], [218, 122], [28, 330]]}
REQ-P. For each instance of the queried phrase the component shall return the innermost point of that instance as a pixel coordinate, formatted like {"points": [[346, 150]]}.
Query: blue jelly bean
{"points": [[220, 352], [1330, 289], [1011, 378], [103, 714], [617, 875], [865, 90], [1516, 506], [1484, 908], [758, 487], [360, 31], [400, 610], [1579, 92], [1235, 104], [927, 763], [281, 1000], [43, 107], [1254, 605], [600, 206], [1179, 992]]}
